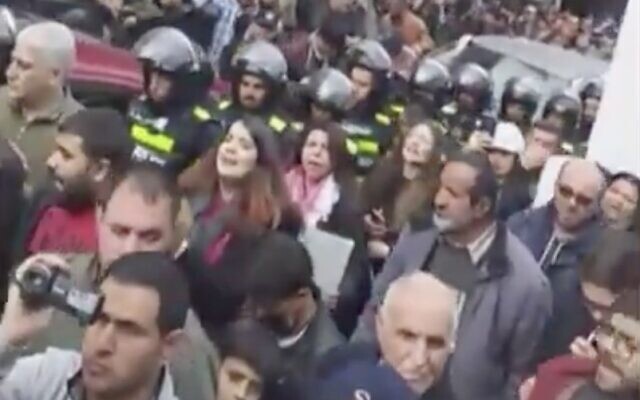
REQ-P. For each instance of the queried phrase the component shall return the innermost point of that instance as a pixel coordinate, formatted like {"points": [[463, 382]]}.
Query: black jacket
{"points": [[514, 196], [345, 220]]}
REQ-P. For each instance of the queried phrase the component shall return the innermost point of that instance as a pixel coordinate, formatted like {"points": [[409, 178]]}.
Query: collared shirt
{"points": [[225, 12], [481, 244], [34, 137]]}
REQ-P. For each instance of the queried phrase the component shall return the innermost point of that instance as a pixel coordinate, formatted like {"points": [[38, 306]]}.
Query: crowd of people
{"points": [[181, 250]]}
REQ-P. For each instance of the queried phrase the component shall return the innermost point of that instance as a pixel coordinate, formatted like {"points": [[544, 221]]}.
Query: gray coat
{"points": [[501, 321], [51, 375]]}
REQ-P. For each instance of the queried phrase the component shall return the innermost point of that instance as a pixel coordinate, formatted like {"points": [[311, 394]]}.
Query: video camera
{"points": [[41, 285]]}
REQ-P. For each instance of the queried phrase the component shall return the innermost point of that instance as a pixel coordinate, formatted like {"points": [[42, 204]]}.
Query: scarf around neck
{"points": [[315, 199]]}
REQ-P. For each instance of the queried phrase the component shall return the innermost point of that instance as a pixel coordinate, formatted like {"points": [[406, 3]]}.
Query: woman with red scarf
{"points": [[246, 196], [322, 184]]}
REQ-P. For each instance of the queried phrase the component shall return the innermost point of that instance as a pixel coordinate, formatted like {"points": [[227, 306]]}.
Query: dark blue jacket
{"points": [[570, 317]]}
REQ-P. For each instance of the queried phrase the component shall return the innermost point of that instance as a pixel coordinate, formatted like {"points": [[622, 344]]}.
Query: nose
{"points": [[104, 339], [132, 244], [11, 71], [419, 354], [242, 391], [440, 201]]}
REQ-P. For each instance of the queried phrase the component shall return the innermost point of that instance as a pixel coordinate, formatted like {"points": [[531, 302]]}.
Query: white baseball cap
{"points": [[507, 137]]}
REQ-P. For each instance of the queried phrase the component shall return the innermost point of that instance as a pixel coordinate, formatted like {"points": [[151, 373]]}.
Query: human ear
{"points": [[171, 342]]}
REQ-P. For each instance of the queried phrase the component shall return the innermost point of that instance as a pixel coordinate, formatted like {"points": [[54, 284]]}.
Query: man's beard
{"points": [[77, 194]]}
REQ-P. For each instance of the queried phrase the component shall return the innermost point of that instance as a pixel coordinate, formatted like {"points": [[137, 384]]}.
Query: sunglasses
{"points": [[568, 193]]}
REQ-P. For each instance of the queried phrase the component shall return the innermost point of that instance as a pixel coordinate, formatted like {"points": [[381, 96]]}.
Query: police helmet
{"points": [[169, 50], [474, 80], [432, 78], [524, 91], [566, 106], [370, 54], [263, 59], [592, 90], [329, 88]]}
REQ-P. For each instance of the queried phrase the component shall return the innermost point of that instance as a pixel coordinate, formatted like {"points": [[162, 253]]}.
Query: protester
{"points": [[251, 365], [543, 141], [324, 188], [611, 374], [559, 235], [511, 297], [36, 99], [283, 295], [139, 214], [92, 148], [397, 17], [401, 188], [503, 152], [245, 196], [416, 328], [620, 201], [124, 349]]}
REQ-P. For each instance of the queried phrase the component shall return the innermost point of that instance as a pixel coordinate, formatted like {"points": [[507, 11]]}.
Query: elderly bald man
{"points": [[559, 235], [35, 99], [416, 327]]}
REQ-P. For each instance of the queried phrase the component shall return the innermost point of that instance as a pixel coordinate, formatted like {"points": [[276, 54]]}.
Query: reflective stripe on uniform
{"points": [[383, 119], [397, 109], [277, 124], [352, 147], [201, 114], [224, 104], [368, 147], [156, 141]]}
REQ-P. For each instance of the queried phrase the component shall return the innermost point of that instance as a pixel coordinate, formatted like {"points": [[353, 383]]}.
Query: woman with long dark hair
{"points": [[621, 203], [246, 196], [401, 188], [323, 186]]}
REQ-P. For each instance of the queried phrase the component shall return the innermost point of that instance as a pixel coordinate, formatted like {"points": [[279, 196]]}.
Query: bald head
{"points": [[416, 328], [578, 190], [52, 43]]}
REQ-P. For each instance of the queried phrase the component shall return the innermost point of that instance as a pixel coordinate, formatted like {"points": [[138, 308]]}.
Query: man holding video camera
{"points": [[132, 331]]}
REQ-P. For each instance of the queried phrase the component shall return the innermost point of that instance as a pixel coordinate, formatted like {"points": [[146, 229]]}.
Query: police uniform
{"points": [[370, 134], [176, 131]]}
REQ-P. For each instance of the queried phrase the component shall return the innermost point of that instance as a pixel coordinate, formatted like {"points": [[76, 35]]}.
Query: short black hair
{"points": [[152, 181], [253, 343], [549, 127], [613, 262], [159, 272], [282, 266], [334, 30], [104, 133], [486, 185]]}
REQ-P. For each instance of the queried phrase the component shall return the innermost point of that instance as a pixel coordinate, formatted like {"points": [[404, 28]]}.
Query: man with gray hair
{"points": [[36, 98], [416, 327], [559, 235]]}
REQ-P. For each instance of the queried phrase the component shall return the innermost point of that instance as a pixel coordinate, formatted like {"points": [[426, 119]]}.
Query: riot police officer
{"points": [[563, 111], [367, 125], [520, 101], [327, 93], [471, 110], [258, 83], [431, 87], [171, 123], [590, 95]]}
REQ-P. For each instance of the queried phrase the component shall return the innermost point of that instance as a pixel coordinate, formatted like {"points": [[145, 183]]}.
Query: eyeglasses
{"points": [[568, 193]]}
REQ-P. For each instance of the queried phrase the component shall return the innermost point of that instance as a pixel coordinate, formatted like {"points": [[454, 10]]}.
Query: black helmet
{"points": [[473, 79], [263, 59], [431, 82], [371, 55], [524, 91], [567, 106], [592, 90], [329, 88], [169, 50]]}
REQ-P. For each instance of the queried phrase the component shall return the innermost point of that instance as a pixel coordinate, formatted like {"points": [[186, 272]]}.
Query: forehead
{"points": [[240, 366], [575, 177], [239, 131], [458, 174], [130, 303], [318, 135], [128, 207], [361, 75], [68, 140], [252, 80], [543, 135], [421, 131], [419, 314], [625, 186]]}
